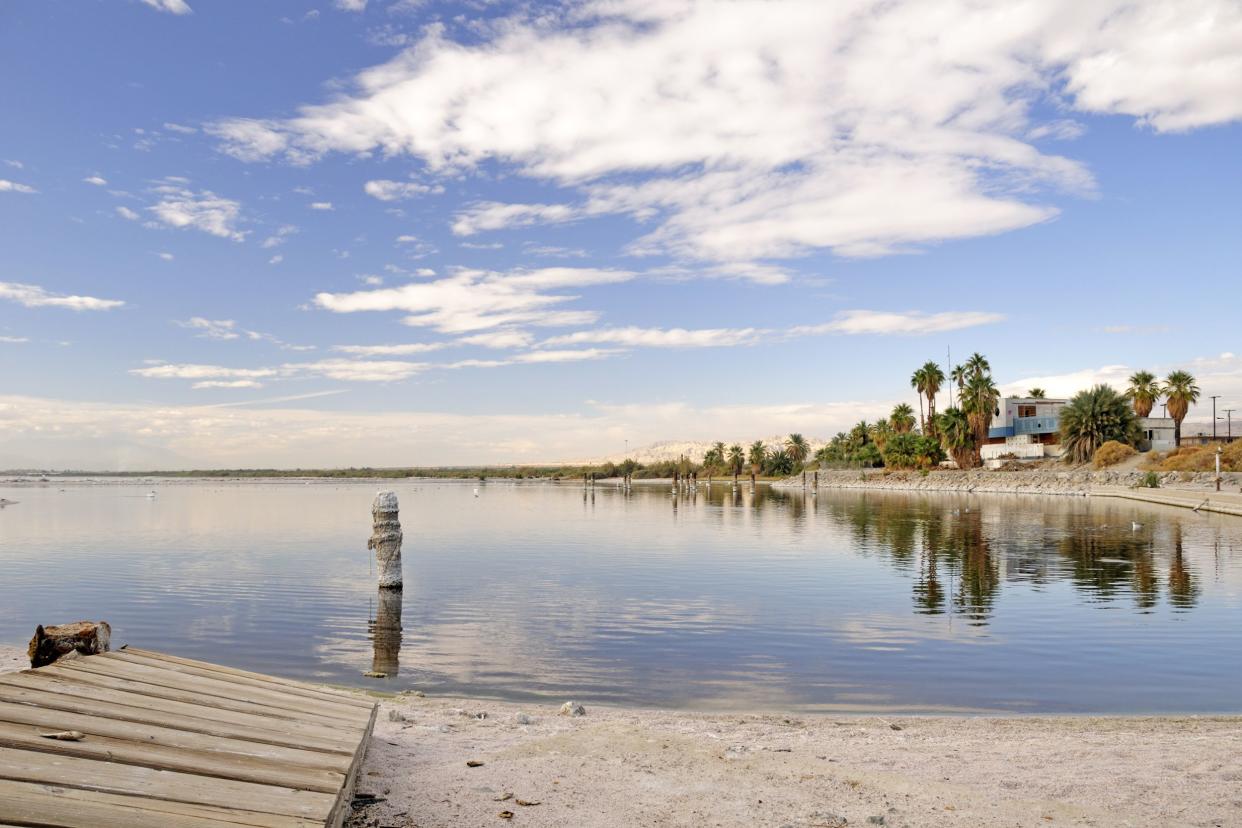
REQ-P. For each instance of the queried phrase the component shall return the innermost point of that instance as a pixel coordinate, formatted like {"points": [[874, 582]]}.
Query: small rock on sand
{"points": [[571, 708]]}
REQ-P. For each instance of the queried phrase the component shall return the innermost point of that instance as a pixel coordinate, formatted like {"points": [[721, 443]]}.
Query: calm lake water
{"points": [[868, 601]]}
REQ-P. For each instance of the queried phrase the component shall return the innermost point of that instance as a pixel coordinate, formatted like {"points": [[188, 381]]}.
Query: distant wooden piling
{"points": [[386, 539]]}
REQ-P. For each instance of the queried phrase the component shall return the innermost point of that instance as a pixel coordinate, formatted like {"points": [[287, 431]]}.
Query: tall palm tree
{"points": [[918, 381], [902, 418], [1094, 417], [933, 379], [797, 448], [758, 453], [958, 375], [977, 365], [1037, 394], [979, 400], [1181, 392], [1143, 392], [957, 436], [737, 458]]}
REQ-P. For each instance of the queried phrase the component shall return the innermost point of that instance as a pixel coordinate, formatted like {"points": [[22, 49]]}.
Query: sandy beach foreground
{"points": [[619, 767], [625, 767]]}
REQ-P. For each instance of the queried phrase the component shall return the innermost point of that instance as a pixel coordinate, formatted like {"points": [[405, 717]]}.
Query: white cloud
{"points": [[351, 5], [7, 186], [97, 180], [425, 271], [227, 384], [184, 130], [168, 257], [860, 127], [499, 339], [126, 213], [281, 235], [321, 205], [170, 6], [477, 300], [15, 164], [391, 350], [212, 328], [848, 322], [661, 338], [912, 323], [493, 215], [180, 207], [33, 296], [193, 371], [275, 260], [386, 190], [13, 340], [358, 370], [565, 355]]}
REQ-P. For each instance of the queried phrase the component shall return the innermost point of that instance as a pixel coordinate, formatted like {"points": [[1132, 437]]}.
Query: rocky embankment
{"points": [[1059, 481]]}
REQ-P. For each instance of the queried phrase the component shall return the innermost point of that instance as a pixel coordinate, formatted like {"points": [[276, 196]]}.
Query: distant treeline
{"points": [[637, 470]]}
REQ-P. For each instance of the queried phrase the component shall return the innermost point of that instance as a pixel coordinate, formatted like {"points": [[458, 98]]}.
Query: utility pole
{"points": [[1229, 424], [1215, 397]]}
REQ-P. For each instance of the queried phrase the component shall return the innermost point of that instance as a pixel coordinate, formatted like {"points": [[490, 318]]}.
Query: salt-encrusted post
{"points": [[386, 539]]}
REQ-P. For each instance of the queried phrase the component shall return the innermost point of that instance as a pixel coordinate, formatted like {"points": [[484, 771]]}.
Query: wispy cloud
{"points": [[477, 300], [281, 236], [97, 180], [7, 186], [33, 296], [386, 190], [179, 206], [391, 350], [170, 6], [322, 205], [910, 323]]}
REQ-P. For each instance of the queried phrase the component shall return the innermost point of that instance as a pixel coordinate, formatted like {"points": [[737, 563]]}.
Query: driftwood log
{"points": [[52, 643]]}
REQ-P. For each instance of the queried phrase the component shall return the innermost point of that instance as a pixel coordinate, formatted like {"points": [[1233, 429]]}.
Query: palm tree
{"points": [[797, 448], [1181, 392], [979, 400], [758, 453], [1144, 390], [918, 381], [977, 365], [1037, 394], [958, 375], [1094, 417], [957, 436], [933, 378], [902, 418], [880, 432], [736, 459]]}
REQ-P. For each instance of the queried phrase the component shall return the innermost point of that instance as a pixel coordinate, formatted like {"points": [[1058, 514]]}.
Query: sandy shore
{"points": [[618, 767], [621, 767]]}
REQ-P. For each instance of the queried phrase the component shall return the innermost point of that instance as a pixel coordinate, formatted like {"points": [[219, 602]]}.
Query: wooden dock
{"points": [[175, 743]]}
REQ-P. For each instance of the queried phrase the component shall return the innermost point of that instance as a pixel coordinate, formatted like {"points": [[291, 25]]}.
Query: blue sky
{"points": [[400, 233]]}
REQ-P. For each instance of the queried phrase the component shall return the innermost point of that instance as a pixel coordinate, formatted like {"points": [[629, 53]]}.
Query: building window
{"points": [[1026, 411]]}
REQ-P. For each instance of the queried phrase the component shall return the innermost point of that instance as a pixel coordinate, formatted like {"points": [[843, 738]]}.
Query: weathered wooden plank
{"points": [[28, 803], [300, 695], [146, 734], [342, 809], [160, 757], [57, 693], [114, 682], [298, 706], [329, 692], [172, 786]]}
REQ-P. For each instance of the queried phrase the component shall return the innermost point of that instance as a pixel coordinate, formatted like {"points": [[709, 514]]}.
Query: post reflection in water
{"points": [[385, 630]]}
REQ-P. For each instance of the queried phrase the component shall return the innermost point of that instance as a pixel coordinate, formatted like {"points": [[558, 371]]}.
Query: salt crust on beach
{"points": [[624, 767]]}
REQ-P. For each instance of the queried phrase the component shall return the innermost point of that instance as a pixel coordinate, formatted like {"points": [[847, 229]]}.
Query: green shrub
{"points": [[1151, 480]]}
